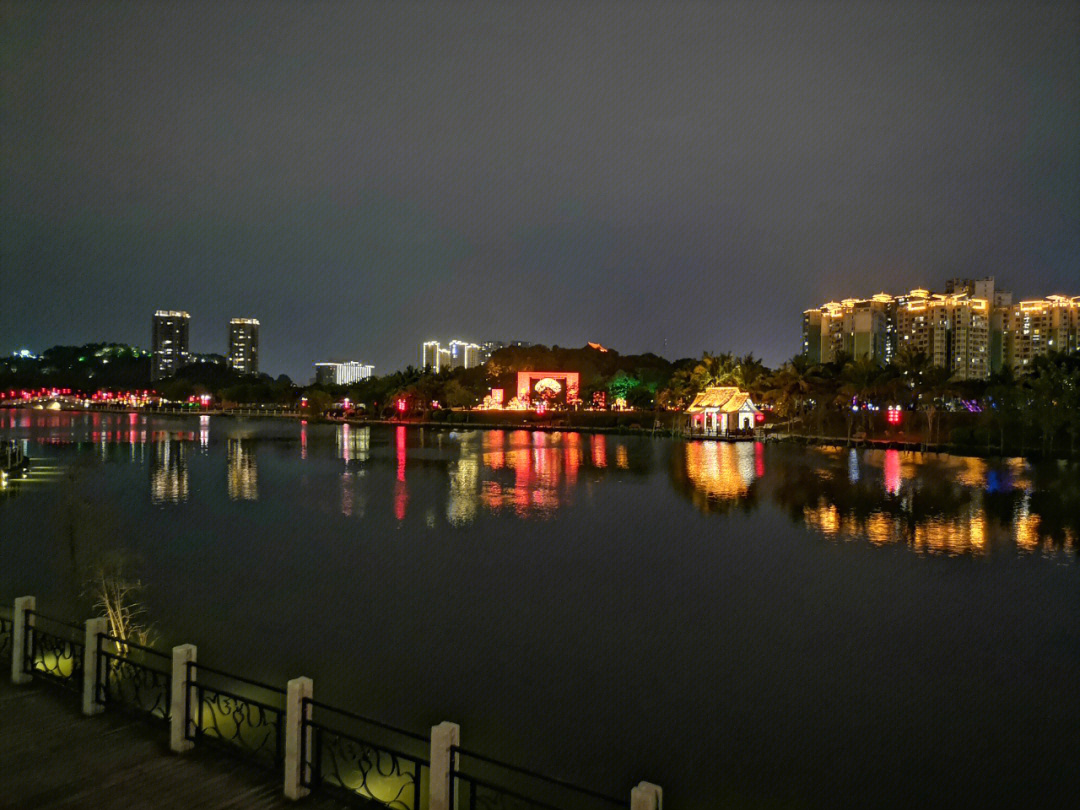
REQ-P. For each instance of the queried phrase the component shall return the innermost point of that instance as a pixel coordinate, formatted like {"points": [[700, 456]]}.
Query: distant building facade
{"points": [[1034, 328], [170, 346], [457, 354], [244, 345], [342, 373], [972, 329], [489, 347], [429, 355]]}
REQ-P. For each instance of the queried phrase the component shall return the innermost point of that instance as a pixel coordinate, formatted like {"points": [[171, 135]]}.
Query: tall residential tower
{"points": [[170, 343], [244, 345]]}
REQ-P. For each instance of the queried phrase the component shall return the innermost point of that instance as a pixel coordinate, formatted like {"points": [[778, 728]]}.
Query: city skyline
{"points": [[641, 178]]}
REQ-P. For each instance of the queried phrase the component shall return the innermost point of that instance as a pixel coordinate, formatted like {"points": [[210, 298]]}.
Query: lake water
{"points": [[747, 625]]}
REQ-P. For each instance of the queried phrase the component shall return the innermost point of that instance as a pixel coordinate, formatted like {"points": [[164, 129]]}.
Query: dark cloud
{"points": [[363, 176]]}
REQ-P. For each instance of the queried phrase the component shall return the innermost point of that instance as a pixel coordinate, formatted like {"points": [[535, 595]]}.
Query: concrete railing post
{"points": [[297, 735], [91, 665], [178, 704], [443, 737], [647, 796], [20, 623]]}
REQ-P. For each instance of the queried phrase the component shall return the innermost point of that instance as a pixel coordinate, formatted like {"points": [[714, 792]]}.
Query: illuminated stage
{"points": [[555, 387]]}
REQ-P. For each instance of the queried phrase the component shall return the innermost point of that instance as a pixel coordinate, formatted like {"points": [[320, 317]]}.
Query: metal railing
{"points": [[347, 755], [367, 764], [132, 676], [485, 783], [6, 628], [237, 722], [56, 655]]}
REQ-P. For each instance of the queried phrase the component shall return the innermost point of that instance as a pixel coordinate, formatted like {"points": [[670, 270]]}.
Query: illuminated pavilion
{"points": [[721, 411]]}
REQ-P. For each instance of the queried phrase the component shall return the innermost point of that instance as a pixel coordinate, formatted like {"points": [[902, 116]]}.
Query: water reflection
{"points": [[169, 472], [242, 471], [930, 504], [718, 476]]}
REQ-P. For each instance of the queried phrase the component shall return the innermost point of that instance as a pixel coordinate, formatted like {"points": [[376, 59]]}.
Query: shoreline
{"points": [[841, 442]]}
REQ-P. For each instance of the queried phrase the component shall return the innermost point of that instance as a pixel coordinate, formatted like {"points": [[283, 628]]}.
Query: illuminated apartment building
{"points": [[458, 354], [953, 330], [859, 328], [973, 329], [244, 345], [1033, 328], [429, 355], [170, 343], [341, 373], [464, 355]]}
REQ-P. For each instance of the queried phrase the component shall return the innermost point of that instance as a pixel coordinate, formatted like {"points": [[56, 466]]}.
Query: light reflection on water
{"points": [[931, 504]]}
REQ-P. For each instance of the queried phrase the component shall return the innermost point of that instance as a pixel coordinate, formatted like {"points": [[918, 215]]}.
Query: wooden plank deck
{"points": [[51, 756]]}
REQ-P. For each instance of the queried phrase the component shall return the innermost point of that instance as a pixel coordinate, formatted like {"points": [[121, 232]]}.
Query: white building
{"points": [[429, 355], [341, 373], [464, 355]]}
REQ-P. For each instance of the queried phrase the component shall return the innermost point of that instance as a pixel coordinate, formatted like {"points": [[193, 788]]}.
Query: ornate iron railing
{"points": [[237, 722], [483, 783], [365, 764], [56, 655], [6, 625], [133, 676]]}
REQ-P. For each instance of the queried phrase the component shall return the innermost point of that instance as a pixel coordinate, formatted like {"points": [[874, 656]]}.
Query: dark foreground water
{"points": [[746, 625]]}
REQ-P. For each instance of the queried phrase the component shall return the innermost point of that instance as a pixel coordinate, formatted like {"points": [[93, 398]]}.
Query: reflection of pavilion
{"points": [[722, 471], [243, 475]]}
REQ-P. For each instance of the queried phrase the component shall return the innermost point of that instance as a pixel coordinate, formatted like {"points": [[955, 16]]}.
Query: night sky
{"points": [[667, 177]]}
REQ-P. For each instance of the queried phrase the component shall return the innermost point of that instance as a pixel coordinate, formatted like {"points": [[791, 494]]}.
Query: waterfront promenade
{"points": [[51, 756]]}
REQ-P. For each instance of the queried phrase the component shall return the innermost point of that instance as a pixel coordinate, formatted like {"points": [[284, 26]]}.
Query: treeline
{"points": [[1038, 411]]}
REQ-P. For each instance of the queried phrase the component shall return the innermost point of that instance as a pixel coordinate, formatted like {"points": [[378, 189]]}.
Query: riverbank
{"points": [[625, 423]]}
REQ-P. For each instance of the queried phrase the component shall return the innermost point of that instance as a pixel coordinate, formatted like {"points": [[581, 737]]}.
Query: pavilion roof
{"points": [[723, 399]]}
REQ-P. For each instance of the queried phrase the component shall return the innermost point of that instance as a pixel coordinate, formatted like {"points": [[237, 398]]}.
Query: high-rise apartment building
{"points": [[170, 343], [429, 355], [952, 330], [244, 345], [860, 328], [458, 354], [342, 373], [1033, 328], [464, 355], [973, 329]]}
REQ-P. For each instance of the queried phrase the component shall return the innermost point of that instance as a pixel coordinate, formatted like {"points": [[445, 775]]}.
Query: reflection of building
{"points": [[721, 411], [169, 472], [556, 386], [341, 373], [244, 345], [170, 343], [463, 500], [243, 474]]}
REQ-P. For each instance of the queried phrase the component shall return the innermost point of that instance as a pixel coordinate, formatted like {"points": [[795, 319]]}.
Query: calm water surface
{"points": [[747, 625]]}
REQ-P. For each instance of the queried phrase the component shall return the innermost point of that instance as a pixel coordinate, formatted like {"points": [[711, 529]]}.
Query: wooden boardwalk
{"points": [[51, 756]]}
